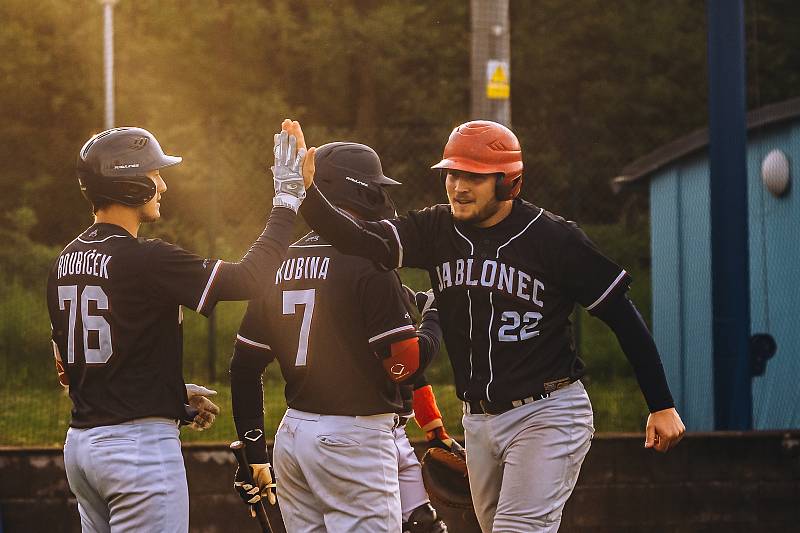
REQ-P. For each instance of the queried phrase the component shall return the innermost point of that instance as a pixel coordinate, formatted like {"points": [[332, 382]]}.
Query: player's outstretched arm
{"points": [[664, 426], [247, 278], [378, 241]]}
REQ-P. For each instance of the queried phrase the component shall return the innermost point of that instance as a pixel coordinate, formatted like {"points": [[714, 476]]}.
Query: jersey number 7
{"points": [[291, 299]]}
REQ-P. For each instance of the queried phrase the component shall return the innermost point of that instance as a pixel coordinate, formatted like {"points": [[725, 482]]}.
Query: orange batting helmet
{"points": [[486, 147]]}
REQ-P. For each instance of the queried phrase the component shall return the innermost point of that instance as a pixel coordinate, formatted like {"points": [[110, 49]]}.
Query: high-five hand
{"points": [[289, 188], [293, 128]]}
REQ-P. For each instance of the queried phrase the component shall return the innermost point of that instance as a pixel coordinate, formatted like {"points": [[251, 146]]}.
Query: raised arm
{"points": [[389, 243], [245, 280]]}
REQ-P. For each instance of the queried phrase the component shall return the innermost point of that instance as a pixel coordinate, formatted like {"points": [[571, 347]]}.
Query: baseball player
{"points": [[506, 275], [115, 307], [344, 339]]}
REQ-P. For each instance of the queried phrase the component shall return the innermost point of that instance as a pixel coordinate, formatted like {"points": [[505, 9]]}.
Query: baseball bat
{"points": [[237, 447]]}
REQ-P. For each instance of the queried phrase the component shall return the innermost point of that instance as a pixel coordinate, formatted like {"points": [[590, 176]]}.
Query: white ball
{"points": [[775, 172]]}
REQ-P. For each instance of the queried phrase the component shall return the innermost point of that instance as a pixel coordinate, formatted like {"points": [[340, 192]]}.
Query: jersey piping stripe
{"points": [[608, 290], [101, 240], [310, 245], [520, 233], [208, 286], [469, 308], [399, 244], [491, 323], [252, 343], [407, 327], [491, 303]]}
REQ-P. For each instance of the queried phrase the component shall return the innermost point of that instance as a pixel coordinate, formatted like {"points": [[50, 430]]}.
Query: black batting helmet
{"points": [[112, 166], [350, 176]]}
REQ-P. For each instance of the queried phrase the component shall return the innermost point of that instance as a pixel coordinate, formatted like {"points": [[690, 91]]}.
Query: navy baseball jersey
{"points": [[324, 319], [504, 293], [115, 309]]}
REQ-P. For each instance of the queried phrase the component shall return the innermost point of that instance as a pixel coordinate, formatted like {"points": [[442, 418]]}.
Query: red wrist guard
{"points": [[437, 433], [424, 405]]}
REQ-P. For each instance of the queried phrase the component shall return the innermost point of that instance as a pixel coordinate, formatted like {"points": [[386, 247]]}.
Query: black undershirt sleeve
{"points": [[247, 399], [637, 343], [246, 279], [429, 336], [348, 234], [420, 381]]}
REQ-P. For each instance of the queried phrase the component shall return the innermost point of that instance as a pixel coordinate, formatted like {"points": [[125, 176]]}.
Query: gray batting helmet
{"points": [[112, 166]]}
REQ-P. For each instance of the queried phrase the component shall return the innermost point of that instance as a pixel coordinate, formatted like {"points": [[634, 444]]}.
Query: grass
{"points": [[39, 417]]}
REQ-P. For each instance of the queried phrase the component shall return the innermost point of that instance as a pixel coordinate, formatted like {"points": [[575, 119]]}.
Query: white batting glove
{"points": [[207, 410], [287, 172]]}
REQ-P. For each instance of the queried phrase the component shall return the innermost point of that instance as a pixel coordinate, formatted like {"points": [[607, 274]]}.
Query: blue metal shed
{"points": [[678, 177]]}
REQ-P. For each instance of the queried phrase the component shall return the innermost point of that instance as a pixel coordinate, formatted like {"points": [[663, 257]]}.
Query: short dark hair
{"points": [[100, 203]]}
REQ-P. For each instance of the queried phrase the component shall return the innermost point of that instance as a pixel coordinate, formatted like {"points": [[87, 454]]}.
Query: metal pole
{"points": [[108, 58], [730, 281], [490, 61], [213, 224]]}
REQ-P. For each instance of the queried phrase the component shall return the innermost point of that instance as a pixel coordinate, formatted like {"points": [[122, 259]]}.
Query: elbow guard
{"points": [[401, 359]]}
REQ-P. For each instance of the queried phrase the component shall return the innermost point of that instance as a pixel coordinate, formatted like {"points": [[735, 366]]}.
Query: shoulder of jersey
{"points": [[310, 240], [436, 212], [553, 222]]}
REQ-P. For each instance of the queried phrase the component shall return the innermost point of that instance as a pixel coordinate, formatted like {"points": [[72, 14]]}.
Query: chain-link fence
{"points": [[217, 204]]}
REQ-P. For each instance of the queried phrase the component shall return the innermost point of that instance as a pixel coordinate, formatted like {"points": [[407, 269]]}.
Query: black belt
{"points": [[484, 407]]}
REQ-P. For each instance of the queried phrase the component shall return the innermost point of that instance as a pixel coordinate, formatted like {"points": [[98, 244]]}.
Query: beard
{"points": [[482, 214], [148, 215]]}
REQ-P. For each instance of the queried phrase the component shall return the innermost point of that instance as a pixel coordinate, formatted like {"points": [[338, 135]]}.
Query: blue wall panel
{"points": [[666, 278], [682, 287], [696, 286], [775, 282]]}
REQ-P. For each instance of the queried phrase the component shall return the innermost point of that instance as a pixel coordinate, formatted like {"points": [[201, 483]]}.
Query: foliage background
{"points": [[595, 84]]}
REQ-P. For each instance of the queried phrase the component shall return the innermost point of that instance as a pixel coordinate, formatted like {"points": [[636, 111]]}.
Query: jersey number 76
{"points": [[90, 293]]}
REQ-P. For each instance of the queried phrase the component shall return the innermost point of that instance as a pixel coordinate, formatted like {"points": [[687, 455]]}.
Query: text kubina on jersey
{"points": [[314, 267], [492, 274]]}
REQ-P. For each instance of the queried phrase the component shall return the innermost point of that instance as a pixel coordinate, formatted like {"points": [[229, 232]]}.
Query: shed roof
{"points": [[645, 166]]}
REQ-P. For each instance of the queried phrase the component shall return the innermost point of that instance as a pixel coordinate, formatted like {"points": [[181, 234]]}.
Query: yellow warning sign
{"points": [[497, 82]]}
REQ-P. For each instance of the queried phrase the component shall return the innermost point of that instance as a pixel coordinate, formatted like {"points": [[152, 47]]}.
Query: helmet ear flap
{"points": [[508, 188]]}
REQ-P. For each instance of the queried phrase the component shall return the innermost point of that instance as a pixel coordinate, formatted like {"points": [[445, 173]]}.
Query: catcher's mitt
{"points": [[445, 476]]}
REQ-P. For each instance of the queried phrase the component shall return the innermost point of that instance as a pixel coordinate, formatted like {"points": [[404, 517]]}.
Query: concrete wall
{"points": [[710, 482]]}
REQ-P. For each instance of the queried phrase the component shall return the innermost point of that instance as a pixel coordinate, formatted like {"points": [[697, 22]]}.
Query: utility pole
{"points": [[108, 58], [490, 61]]}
